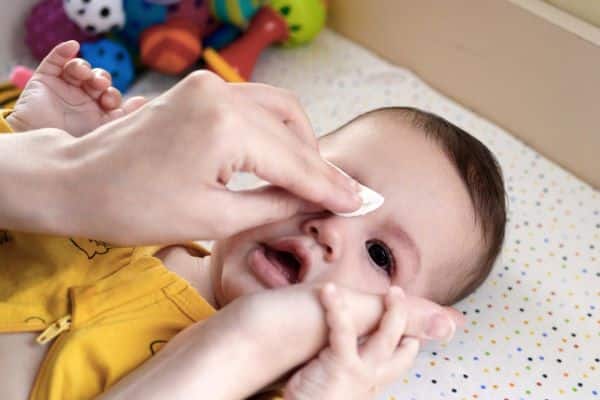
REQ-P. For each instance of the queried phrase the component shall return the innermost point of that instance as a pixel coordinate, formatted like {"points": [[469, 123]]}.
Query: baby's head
{"points": [[436, 236]]}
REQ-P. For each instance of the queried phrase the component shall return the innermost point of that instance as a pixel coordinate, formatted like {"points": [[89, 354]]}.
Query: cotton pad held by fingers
{"points": [[371, 200]]}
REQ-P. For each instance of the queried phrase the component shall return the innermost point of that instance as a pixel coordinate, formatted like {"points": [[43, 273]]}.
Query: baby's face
{"points": [[421, 239]]}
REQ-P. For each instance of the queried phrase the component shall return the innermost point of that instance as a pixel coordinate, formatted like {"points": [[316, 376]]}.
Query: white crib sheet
{"points": [[533, 328]]}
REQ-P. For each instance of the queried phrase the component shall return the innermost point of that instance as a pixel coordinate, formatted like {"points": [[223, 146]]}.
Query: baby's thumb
{"points": [[262, 206]]}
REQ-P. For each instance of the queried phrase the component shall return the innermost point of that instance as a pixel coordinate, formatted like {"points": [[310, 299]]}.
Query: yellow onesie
{"points": [[105, 309]]}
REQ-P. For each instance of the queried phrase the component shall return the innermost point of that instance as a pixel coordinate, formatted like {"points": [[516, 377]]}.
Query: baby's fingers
{"points": [[401, 361], [342, 332], [110, 99], [381, 345], [76, 71], [97, 83]]}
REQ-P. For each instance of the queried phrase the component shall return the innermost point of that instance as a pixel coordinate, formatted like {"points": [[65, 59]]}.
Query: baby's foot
{"points": [[66, 93]]}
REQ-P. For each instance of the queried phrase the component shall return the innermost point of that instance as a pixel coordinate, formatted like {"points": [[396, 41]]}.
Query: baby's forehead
{"points": [[381, 146]]}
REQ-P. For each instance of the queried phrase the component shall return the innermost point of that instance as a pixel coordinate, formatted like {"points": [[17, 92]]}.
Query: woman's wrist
{"points": [[33, 172]]}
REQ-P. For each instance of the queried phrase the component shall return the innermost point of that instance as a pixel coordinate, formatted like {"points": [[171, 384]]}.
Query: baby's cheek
{"points": [[356, 273]]}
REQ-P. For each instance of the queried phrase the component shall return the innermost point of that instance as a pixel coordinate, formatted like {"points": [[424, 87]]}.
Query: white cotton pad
{"points": [[371, 200]]}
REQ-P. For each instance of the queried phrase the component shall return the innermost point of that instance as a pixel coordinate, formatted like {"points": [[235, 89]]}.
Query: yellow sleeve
{"points": [[4, 127]]}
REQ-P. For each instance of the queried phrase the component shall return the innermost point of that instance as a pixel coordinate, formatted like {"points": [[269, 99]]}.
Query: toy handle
{"points": [[266, 27]]}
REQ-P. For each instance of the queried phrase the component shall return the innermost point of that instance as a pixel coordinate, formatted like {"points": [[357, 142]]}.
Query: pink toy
{"points": [[20, 75], [48, 25]]}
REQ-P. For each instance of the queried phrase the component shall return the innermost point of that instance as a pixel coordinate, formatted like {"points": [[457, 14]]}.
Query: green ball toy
{"points": [[305, 18]]}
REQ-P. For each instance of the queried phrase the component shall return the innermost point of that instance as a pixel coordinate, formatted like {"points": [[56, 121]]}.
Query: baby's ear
{"points": [[457, 316]]}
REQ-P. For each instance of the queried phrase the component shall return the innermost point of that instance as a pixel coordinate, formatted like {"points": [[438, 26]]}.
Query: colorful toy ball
{"points": [[305, 18], [114, 58], [141, 15], [235, 12], [195, 11], [96, 16], [48, 25], [171, 48], [163, 2]]}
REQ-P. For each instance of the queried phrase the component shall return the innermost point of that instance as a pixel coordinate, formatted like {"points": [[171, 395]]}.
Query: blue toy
{"points": [[141, 15], [222, 36], [114, 58]]}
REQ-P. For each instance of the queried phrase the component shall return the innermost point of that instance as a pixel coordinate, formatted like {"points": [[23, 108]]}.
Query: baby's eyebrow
{"points": [[412, 267]]}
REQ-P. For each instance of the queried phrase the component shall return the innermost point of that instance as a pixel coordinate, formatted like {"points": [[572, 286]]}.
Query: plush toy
{"points": [[48, 25], [288, 22], [96, 16]]}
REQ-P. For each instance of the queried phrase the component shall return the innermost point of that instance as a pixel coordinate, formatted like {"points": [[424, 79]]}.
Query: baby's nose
{"points": [[325, 233]]}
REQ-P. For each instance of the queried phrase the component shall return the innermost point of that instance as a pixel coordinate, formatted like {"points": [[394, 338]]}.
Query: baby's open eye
{"points": [[381, 255]]}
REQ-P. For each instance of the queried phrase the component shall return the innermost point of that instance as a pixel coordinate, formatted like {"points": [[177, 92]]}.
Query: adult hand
{"points": [[159, 174]]}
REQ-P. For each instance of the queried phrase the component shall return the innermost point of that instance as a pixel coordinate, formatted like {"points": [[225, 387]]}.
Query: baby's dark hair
{"points": [[482, 176]]}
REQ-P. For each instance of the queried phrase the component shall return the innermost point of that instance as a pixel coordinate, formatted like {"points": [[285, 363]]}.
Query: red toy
{"points": [[236, 62]]}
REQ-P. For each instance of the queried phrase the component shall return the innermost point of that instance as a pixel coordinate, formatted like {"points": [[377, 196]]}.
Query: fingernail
{"points": [[441, 327], [354, 185]]}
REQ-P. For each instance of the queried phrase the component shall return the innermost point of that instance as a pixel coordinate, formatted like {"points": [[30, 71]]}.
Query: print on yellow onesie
{"points": [[116, 307]]}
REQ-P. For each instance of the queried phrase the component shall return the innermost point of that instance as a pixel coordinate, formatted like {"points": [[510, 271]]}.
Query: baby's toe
{"points": [[76, 71]]}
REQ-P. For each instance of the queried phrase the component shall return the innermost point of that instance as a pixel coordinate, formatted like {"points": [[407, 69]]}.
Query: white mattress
{"points": [[534, 327]]}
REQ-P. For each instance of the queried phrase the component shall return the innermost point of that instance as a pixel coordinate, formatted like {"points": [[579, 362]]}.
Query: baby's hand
{"points": [[66, 93], [348, 371]]}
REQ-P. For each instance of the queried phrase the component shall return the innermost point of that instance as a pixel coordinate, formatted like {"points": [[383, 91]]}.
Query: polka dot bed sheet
{"points": [[533, 328]]}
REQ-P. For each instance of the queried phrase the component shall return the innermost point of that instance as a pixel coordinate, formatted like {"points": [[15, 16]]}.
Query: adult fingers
{"points": [[383, 342], [301, 170], [255, 207], [284, 105]]}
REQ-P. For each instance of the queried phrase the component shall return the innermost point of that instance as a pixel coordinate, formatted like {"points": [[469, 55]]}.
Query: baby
{"points": [[436, 237]]}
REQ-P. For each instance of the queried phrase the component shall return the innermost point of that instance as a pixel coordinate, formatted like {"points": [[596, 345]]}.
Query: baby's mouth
{"points": [[286, 262], [281, 263]]}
